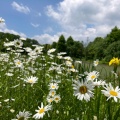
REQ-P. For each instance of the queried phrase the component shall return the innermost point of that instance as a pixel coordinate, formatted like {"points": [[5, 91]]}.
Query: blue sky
{"points": [[46, 20]]}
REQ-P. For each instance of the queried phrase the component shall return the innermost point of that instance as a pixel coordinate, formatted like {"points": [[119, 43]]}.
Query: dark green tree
{"points": [[61, 45], [113, 36], [113, 50], [95, 49], [69, 44], [77, 50], [54, 45]]}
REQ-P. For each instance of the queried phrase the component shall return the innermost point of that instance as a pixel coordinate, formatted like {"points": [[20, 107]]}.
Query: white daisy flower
{"points": [[62, 53], [18, 43], [83, 89], [92, 75], [99, 83], [80, 62], [9, 74], [68, 58], [57, 98], [51, 50], [68, 63], [22, 38], [49, 99], [12, 110], [18, 63], [23, 115], [94, 117], [8, 44], [38, 50], [111, 92], [31, 80], [53, 86], [6, 100], [28, 49], [52, 93], [73, 70], [60, 57], [41, 111], [96, 62]]}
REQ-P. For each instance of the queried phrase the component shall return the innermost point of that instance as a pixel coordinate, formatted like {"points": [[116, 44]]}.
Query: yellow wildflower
{"points": [[114, 61]]}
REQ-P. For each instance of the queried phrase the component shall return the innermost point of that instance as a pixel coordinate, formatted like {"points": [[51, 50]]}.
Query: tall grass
{"points": [[16, 94]]}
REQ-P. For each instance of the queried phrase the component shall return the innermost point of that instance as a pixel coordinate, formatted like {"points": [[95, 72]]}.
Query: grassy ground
{"points": [[104, 69]]}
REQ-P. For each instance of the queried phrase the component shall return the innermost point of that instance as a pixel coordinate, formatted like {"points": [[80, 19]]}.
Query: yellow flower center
{"points": [[83, 89], [93, 77], [96, 62], [17, 43], [50, 100], [18, 62], [56, 99], [30, 81], [41, 110], [113, 93], [36, 50], [53, 87], [53, 93], [21, 118], [72, 66]]}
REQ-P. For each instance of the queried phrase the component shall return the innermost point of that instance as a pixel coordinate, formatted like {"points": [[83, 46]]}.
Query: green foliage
{"points": [[77, 50], [46, 48], [113, 36], [61, 45], [73, 48], [104, 48], [95, 49], [69, 43], [54, 45]]}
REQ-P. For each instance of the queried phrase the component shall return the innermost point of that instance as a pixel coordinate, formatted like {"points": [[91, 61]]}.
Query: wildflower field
{"points": [[52, 86]]}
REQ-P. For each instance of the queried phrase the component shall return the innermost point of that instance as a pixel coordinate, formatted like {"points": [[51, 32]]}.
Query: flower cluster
{"points": [[52, 96]]}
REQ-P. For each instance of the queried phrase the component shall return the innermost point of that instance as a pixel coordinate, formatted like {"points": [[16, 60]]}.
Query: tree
{"points": [[77, 50], [113, 36], [69, 44], [54, 45], [95, 49], [113, 48], [61, 45]]}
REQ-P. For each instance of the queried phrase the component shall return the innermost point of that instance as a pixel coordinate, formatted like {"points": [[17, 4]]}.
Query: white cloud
{"points": [[3, 28], [86, 18], [46, 38], [35, 25], [48, 30], [20, 8]]}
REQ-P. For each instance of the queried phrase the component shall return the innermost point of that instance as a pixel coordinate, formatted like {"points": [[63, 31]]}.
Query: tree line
{"points": [[7, 37], [100, 48], [72, 48], [105, 48]]}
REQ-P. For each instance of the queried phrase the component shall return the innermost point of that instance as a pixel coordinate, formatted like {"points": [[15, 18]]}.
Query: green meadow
{"points": [[54, 87]]}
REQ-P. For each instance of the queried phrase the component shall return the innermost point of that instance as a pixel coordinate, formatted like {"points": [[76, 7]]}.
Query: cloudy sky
{"points": [[46, 20]]}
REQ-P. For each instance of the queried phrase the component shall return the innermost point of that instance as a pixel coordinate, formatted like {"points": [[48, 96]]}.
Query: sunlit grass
{"points": [[53, 87]]}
